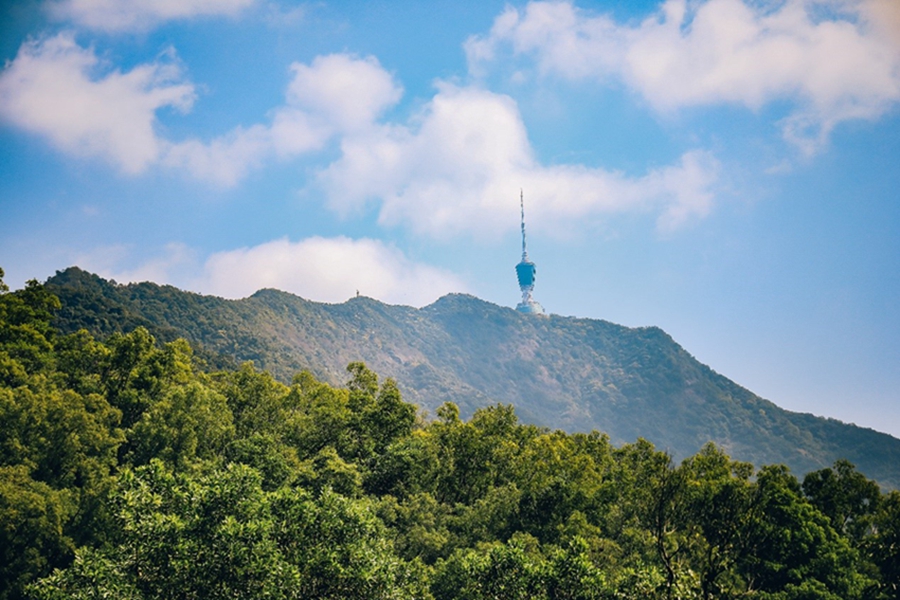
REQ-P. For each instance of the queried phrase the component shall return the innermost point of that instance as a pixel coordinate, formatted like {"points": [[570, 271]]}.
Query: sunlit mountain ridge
{"points": [[559, 372]]}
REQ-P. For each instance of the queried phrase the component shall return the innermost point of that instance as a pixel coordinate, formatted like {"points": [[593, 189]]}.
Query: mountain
{"points": [[560, 372]]}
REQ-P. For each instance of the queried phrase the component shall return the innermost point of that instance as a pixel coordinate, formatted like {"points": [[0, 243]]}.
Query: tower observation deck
{"points": [[526, 272]]}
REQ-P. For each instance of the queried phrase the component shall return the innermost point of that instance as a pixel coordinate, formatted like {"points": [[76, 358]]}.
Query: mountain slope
{"points": [[561, 372]]}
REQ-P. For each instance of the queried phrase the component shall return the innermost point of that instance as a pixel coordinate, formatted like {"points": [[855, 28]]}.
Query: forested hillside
{"points": [[560, 372], [132, 469]]}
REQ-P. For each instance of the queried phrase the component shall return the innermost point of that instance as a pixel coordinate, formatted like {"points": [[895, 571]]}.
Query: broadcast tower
{"points": [[525, 272]]}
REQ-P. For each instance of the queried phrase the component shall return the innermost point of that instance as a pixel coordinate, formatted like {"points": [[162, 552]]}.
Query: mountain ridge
{"points": [[561, 372]]}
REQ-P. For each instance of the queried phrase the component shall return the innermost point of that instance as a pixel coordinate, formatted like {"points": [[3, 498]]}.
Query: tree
{"points": [[511, 571], [91, 576], [191, 422], [791, 544], [64, 439], [184, 536], [80, 361], [883, 547], [718, 497], [572, 575], [390, 418], [33, 519], [216, 533], [340, 548], [136, 373], [319, 416], [25, 331], [258, 403], [845, 496]]}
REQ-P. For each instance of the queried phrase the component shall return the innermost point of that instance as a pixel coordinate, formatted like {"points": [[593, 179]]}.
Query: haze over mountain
{"points": [[560, 372]]}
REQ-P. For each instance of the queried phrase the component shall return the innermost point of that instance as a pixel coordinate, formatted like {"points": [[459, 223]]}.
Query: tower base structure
{"points": [[529, 304], [531, 307]]}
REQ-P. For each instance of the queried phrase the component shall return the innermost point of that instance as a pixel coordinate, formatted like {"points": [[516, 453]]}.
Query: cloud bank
{"points": [[52, 89], [140, 15], [327, 269], [835, 59], [336, 94], [452, 168], [316, 268], [457, 167], [68, 95]]}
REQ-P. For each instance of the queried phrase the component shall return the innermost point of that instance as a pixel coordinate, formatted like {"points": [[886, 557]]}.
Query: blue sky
{"points": [[728, 170]]}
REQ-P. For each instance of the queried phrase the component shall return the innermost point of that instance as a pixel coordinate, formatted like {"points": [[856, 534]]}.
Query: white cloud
{"points": [[282, 16], [883, 15], [227, 159], [327, 269], [836, 59], [52, 88], [140, 15], [460, 168], [348, 92], [176, 264], [64, 92], [336, 94], [316, 268]]}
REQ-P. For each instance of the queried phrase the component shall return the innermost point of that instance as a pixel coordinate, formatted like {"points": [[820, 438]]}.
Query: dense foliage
{"points": [[560, 372], [129, 469]]}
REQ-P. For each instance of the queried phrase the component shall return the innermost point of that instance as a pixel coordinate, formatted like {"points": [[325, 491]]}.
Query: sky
{"points": [[727, 170]]}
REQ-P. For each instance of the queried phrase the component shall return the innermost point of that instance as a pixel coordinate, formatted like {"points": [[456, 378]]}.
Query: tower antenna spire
{"points": [[522, 209]]}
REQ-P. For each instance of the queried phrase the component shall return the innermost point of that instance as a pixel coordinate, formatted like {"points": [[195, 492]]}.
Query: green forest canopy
{"points": [[130, 469]]}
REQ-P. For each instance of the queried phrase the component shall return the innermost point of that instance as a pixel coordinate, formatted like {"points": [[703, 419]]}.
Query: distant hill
{"points": [[560, 372]]}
